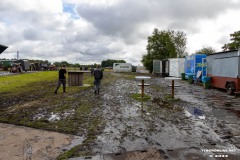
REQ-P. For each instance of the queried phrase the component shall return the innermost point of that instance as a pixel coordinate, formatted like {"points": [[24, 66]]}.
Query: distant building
{"points": [[122, 67], [142, 69]]}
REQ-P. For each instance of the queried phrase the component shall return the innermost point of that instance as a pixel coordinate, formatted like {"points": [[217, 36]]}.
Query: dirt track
{"points": [[192, 126]]}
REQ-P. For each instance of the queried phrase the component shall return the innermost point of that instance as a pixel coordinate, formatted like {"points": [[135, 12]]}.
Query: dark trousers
{"points": [[97, 84], [63, 82]]}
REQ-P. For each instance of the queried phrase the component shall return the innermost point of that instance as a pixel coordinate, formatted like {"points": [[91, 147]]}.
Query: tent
{"points": [[2, 48]]}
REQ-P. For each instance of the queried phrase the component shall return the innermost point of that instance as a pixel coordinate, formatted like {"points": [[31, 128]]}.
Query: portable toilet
{"points": [[194, 63]]}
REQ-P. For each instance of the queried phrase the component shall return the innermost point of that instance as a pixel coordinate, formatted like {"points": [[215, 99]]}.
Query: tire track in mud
{"points": [[123, 119], [210, 117], [131, 125]]}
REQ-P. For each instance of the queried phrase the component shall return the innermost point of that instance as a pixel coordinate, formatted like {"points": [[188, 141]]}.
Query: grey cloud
{"points": [[224, 40], [123, 17], [119, 20], [102, 32]]}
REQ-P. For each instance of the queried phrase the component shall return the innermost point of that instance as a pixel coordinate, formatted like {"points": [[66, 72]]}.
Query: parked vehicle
{"points": [[224, 70], [6, 65], [44, 67], [16, 68], [193, 64], [161, 67], [37, 66], [122, 67], [176, 66], [24, 63], [32, 67], [52, 68]]}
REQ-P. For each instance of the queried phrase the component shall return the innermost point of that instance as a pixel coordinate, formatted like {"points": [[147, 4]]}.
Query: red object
{"points": [[221, 82]]}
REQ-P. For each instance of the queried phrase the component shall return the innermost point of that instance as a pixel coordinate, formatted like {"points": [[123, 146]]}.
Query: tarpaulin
{"points": [[2, 48]]}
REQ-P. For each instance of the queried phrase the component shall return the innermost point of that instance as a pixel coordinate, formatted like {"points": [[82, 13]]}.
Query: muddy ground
{"points": [[196, 124]]}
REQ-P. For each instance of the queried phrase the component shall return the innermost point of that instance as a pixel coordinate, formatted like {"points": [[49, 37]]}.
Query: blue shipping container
{"points": [[194, 63]]}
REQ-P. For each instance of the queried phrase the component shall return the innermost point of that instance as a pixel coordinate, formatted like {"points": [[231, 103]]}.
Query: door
{"points": [[204, 67]]}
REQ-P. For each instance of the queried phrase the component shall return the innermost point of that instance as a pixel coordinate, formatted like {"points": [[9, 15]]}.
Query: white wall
{"points": [[176, 67]]}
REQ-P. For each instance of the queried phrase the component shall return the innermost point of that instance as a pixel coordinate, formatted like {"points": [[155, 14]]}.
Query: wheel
{"points": [[229, 88]]}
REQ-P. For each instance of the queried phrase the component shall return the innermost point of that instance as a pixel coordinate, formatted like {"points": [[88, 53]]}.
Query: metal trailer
{"points": [[37, 66], [6, 65], [161, 67], [224, 70], [24, 63], [195, 63], [122, 67], [165, 67], [176, 66], [157, 67]]}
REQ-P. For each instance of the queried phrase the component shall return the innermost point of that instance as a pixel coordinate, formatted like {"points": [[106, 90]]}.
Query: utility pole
{"points": [[17, 55]]}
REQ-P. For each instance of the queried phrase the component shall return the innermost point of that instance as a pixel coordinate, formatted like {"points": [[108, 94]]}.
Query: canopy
{"points": [[2, 48]]}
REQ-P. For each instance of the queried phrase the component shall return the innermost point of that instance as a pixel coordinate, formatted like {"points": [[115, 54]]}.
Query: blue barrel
{"points": [[206, 79], [206, 82]]}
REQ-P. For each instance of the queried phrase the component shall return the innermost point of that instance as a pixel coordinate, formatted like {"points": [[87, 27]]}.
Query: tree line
{"points": [[104, 63], [109, 62]]}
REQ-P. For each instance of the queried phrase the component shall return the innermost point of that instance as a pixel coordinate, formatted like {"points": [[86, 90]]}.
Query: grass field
{"points": [[15, 83], [27, 99]]}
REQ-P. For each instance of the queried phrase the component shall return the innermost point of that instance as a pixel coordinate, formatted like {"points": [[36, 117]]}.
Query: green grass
{"points": [[21, 81], [25, 96], [139, 97]]}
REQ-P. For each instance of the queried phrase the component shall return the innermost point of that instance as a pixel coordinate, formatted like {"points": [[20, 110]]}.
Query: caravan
{"points": [[122, 67]]}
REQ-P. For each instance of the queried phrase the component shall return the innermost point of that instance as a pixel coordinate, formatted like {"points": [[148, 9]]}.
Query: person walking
{"points": [[61, 79], [98, 75]]}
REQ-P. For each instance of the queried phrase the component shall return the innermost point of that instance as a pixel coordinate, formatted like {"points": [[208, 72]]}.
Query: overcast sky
{"points": [[89, 31]]}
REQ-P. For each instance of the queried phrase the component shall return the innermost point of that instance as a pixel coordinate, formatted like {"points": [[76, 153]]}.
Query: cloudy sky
{"points": [[89, 31]]}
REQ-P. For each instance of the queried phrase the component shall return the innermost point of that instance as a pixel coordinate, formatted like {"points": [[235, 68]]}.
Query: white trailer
{"points": [[176, 66], [122, 67], [161, 67]]}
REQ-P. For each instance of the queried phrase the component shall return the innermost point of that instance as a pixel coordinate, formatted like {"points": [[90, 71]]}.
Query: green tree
{"points": [[206, 50], [57, 64], [164, 44], [235, 44], [180, 42], [147, 61], [76, 65], [109, 62]]}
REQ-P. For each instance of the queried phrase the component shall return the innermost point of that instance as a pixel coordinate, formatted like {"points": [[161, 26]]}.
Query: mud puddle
{"points": [[18, 142], [133, 126], [192, 126]]}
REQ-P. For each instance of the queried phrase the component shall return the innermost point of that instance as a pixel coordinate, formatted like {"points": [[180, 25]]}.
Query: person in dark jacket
{"points": [[98, 75], [61, 79]]}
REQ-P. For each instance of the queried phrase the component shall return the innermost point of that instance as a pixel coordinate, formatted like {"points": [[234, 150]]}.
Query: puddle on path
{"points": [[18, 142], [128, 123]]}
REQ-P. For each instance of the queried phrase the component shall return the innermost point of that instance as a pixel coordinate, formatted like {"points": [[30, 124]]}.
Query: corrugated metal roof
{"points": [[2, 48], [224, 52]]}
